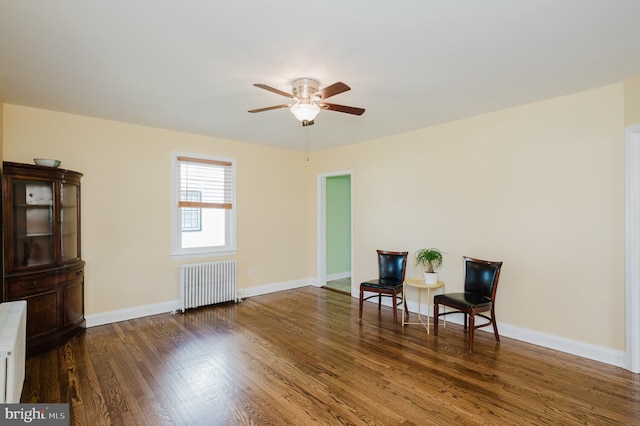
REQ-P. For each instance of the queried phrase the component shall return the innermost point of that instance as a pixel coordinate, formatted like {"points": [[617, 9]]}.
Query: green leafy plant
{"points": [[430, 259]]}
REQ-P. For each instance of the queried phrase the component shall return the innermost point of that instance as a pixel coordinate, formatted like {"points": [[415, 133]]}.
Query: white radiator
{"points": [[207, 283], [13, 341]]}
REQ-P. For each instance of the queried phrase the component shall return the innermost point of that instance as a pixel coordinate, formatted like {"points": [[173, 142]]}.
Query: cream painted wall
{"points": [[632, 101], [126, 203], [540, 187]]}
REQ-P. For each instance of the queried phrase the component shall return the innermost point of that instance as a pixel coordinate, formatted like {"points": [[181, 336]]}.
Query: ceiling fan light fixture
{"points": [[305, 111]]}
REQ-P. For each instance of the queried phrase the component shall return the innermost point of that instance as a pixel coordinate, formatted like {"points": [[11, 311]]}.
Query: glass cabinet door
{"points": [[69, 221], [33, 223]]}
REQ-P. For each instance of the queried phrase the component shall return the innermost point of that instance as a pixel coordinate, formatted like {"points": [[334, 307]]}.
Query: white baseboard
{"points": [[172, 306], [131, 313], [584, 350], [581, 349], [272, 288], [549, 341]]}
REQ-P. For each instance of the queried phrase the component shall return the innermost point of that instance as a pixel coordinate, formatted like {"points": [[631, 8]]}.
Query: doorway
{"points": [[632, 247], [335, 231]]}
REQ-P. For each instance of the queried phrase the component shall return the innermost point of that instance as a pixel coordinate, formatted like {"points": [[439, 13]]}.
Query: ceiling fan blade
{"points": [[342, 108], [274, 90], [334, 89], [269, 108]]}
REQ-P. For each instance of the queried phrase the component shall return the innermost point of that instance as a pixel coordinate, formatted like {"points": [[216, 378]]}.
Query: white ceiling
{"points": [[190, 65]]}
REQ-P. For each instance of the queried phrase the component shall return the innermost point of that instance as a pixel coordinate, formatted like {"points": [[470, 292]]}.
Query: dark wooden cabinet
{"points": [[42, 258]]}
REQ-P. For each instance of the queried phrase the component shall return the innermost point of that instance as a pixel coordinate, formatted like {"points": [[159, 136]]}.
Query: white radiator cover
{"points": [[207, 283], [13, 343]]}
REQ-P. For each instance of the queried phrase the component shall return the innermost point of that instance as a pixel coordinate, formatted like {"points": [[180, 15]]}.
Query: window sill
{"points": [[203, 254]]}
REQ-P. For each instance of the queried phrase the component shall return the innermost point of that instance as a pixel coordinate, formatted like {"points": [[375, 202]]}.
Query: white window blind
{"points": [[211, 178]]}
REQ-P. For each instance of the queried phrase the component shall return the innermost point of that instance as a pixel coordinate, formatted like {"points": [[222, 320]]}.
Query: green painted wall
{"points": [[338, 224]]}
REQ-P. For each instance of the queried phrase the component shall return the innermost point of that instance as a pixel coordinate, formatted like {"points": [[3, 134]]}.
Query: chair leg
{"points": [[435, 319], [406, 309], [472, 323], [465, 321], [495, 326], [361, 297], [395, 309], [379, 301]]}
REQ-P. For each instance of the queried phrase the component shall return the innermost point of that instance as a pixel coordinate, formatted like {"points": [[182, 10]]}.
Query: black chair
{"points": [[480, 285], [391, 268]]}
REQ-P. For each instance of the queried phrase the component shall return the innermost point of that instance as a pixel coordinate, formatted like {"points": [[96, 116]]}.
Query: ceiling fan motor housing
{"points": [[304, 88]]}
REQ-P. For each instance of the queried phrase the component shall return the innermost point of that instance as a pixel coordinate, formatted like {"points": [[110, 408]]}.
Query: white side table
{"points": [[420, 285]]}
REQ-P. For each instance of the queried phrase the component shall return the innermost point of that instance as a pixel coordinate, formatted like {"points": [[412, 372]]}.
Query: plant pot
{"points": [[430, 278]]}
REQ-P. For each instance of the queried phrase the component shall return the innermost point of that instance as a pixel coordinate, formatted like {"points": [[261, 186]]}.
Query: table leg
{"points": [[428, 310], [419, 303]]}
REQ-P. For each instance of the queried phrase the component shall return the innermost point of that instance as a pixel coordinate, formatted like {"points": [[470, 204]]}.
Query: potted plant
{"points": [[430, 259]]}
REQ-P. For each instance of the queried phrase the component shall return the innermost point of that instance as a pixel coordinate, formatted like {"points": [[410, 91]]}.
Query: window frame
{"points": [[176, 217]]}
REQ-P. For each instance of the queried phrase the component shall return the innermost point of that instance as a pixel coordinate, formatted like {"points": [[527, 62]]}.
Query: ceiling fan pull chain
{"points": [[306, 146]]}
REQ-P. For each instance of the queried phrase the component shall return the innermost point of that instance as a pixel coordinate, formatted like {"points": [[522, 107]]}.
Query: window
{"points": [[191, 218], [204, 214]]}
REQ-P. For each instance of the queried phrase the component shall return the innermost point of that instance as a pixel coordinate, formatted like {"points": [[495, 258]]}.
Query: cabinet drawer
{"points": [[26, 286]]}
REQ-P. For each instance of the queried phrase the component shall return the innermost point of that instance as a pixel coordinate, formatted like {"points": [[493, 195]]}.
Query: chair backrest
{"points": [[481, 276], [392, 265]]}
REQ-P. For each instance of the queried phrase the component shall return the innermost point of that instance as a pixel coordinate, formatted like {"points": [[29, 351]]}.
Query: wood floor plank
{"points": [[302, 357]]}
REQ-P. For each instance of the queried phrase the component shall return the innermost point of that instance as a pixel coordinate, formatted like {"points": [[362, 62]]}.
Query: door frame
{"points": [[632, 247], [322, 225]]}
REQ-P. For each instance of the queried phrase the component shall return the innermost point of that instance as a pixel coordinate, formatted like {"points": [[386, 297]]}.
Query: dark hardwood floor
{"points": [[301, 357]]}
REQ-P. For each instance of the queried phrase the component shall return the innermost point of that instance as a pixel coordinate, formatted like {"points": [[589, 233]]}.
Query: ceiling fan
{"points": [[309, 100]]}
